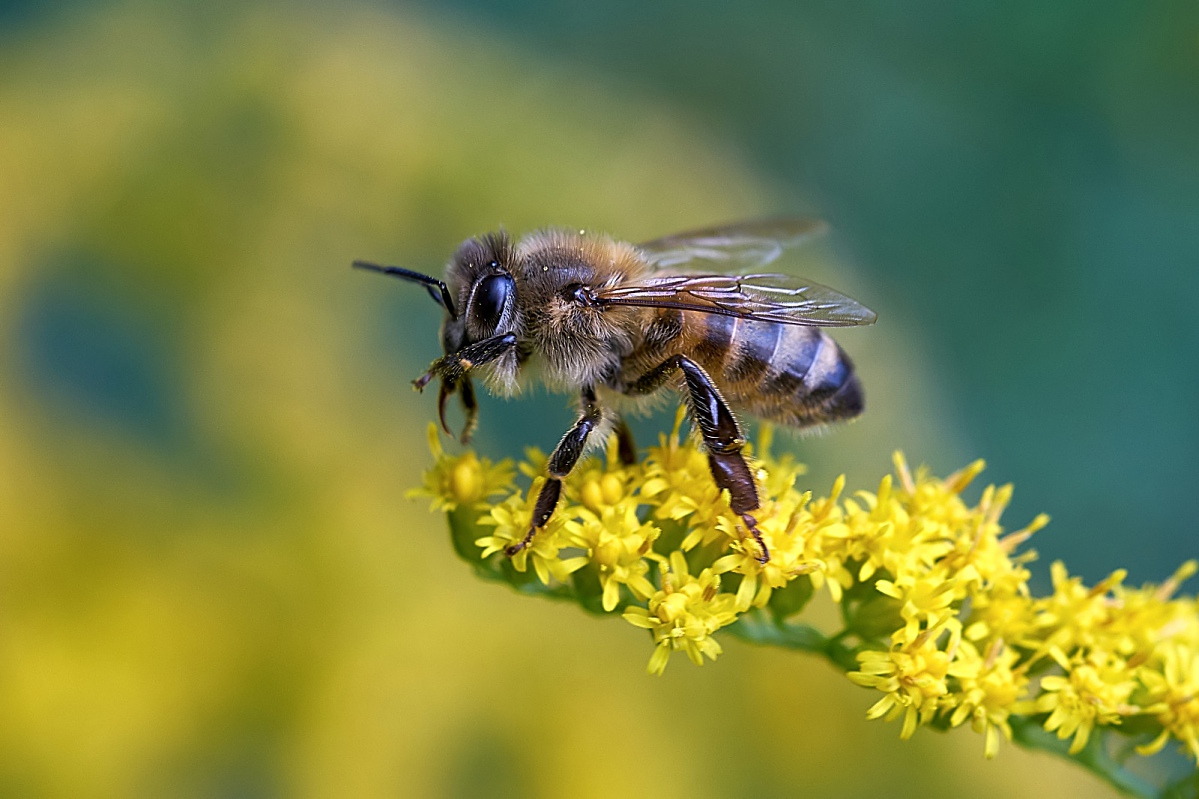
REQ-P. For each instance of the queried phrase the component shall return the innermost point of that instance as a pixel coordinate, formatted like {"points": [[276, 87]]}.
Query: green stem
{"points": [[755, 628], [1028, 732]]}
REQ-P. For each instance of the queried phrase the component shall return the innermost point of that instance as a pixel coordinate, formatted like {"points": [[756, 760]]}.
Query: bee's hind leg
{"points": [[562, 461], [721, 434]]}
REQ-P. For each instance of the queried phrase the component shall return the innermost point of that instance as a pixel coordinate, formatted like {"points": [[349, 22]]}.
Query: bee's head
{"points": [[480, 279], [479, 298]]}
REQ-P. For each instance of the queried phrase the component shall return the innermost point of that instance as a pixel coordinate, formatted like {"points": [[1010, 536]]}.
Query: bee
{"points": [[616, 321]]}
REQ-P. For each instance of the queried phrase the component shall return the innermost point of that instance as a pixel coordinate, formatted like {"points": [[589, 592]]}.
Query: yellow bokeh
{"points": [[239, 599]]}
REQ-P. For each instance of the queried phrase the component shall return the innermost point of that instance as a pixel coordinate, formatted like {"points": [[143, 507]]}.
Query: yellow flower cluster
{"points": [[938, 614], [462, 481]]}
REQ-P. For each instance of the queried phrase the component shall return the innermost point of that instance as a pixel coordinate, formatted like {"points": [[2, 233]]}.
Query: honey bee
{"points": [[616, 321]]}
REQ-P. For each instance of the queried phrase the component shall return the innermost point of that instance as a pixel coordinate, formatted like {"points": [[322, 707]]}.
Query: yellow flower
{"points": [[981, 558], [820, 525], [911, 562], [1095, 690], [535, 463], [784, 533], [937, 502], [512, 520], [926, 605], [1174, 692], [884, 536], [462, 481], [1003, 615], [617, 543], [911, 676], [679, 480], [1142, 619], [988, 690], [598, 485], [684, 614], [776, 474], [1075, 617]]}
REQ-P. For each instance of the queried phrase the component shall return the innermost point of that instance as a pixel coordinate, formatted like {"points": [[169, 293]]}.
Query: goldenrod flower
{"points": [[465, 480], [912, 678], [1143, 619], [684, 614], [617, 543], [784, 470], [1095, 690], [512, 520], [938, 615], [784, 531], [1003, 615], [598, 485], [988, 689], [679, 481], [1174, 698], [820, 526], [1075, 617]]}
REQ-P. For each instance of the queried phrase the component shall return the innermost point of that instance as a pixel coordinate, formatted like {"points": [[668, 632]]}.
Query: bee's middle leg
{"points": [[470, 407], [562, 461], [721, 434], [626, 447]]}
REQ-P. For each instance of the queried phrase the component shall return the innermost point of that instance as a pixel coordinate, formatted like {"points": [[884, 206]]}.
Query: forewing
{"points": [[767, 297], [725, 248]]}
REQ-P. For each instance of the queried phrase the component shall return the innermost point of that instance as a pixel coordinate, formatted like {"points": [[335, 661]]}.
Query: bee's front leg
{"points": [[562, 461], [453, 367], [454, 371], [721, 434]]}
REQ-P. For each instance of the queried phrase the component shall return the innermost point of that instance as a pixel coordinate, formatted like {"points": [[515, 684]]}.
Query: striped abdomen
{"points": [[788, 374]]}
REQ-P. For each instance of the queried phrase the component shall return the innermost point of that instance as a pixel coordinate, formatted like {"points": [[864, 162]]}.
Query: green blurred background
{"points": [[211, 584]]}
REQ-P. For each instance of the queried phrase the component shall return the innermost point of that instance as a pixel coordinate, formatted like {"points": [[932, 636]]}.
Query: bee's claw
{"points": [[442, 395], [422, 381], [512, 549], [752, 525]]}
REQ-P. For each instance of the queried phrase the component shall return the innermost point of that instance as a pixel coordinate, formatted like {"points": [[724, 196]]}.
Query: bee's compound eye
{"points": [[490, 300]]}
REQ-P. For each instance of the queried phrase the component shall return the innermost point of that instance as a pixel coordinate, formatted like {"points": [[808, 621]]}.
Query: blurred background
{"points": [[211, 584]]}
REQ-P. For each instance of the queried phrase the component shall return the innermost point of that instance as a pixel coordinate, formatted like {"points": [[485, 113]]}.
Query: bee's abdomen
{"points": [[789, 374]]}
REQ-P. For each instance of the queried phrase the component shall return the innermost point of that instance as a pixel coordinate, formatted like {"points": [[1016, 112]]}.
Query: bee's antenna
{"points": [[443, 298]]}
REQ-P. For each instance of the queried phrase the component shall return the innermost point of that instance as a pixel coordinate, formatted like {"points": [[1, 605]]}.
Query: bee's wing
{"points": [[744, 245], [772, 298]]}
